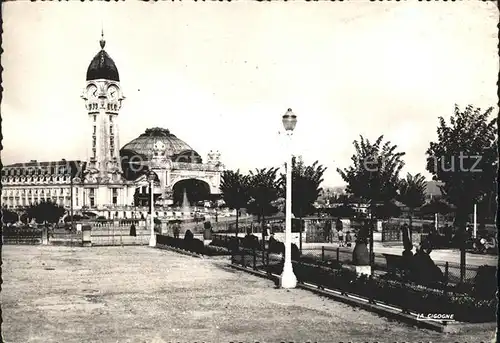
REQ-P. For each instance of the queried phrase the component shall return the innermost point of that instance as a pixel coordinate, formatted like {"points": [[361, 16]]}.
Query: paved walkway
{"points": [[445, 255], [140, 294]]}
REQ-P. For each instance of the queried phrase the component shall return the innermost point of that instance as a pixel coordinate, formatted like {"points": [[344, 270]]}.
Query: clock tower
{"points": [[103, 100]]}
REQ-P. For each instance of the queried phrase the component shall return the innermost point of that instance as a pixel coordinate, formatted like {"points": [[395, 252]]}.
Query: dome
{"points": [[102, 66], [176, 149]]}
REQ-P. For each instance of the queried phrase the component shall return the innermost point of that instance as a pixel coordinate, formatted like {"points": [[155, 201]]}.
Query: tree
{"points": [[374, 175], [386, 210], [436, 206], [465, 159], [234, 188], [45, 212], [263, 192], [487, 208], [9, 217], [345, 211], [412, 194], [306, 182]]}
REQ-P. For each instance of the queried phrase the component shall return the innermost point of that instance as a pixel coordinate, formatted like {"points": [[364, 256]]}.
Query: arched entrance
{"points": [[196, 191]]}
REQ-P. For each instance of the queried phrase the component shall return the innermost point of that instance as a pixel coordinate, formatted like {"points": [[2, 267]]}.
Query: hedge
{"points": [[193, 245]]}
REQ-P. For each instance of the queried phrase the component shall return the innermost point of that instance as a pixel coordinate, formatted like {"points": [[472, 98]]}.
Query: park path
{"points": [[141, 294], [438, 255]]}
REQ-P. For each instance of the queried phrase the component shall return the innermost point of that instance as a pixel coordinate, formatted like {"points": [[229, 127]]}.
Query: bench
{"points": [[396, 264]]}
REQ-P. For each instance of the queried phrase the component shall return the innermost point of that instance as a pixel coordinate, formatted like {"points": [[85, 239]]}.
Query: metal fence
{"points": [[65, 236], [451, 271], [110, 235], [15, 235]]}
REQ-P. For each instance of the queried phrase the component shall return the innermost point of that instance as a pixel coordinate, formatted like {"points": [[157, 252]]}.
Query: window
{"points": [[111, 129], [95, 129], [110, 118], [93, 142], [91, 192], [95, 117], [91, 202]]}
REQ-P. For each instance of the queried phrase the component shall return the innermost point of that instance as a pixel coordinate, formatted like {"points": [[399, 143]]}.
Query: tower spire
{"points": [[102, 42]]}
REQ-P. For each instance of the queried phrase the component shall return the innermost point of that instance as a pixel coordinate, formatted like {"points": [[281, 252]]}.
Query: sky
{"points": [[221, 75]]}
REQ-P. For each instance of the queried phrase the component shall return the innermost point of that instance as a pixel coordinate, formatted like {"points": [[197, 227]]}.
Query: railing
{"points": [[325, 254], [467, 304], [11, 235]]}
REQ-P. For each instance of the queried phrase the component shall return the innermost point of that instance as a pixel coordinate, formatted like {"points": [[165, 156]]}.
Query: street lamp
{"points": [[152, 239], [288, 279]]}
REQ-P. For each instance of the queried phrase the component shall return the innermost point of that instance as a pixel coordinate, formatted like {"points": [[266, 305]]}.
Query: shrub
{"points": [[195, 245], [212, 250], [170, 241], [219, 243]]}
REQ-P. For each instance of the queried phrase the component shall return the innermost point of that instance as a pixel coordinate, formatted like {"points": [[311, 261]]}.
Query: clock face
{"points": [[159, 145], [113, 93], [92, 91]]}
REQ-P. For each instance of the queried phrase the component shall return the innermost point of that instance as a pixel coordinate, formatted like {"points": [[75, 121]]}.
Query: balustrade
{"points": [[195, 166]]}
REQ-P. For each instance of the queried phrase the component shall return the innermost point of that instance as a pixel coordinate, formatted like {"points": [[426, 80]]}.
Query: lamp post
{"points": [[70, 169], [71, 194], [288, 279], [152, 239]]}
